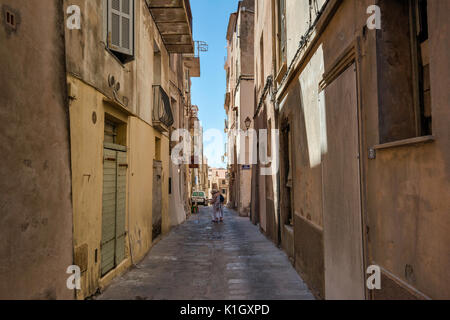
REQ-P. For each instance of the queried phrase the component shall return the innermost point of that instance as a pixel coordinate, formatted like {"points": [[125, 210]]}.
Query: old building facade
{"points": [[265, 209], [239, 103], [348, 100], [362, 115], [132, 87], [116, 84], [197, 166], [183, 68]]}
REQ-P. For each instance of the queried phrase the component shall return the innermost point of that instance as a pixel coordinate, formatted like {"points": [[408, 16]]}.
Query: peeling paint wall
{"points": [[35, 185]]}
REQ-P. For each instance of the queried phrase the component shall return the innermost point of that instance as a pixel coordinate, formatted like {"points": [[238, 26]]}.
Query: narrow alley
{"points": [[199, 260], [321, 126]]}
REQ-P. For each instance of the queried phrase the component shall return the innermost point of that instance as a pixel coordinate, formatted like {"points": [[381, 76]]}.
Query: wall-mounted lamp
{"points": [[248, 123]]}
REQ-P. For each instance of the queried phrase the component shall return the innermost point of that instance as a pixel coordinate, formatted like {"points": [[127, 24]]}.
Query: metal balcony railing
{"points": [[162, 112]]}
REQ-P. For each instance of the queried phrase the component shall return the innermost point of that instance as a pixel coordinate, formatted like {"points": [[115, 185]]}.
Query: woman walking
{"points": [[222, 202], [215, 201]]}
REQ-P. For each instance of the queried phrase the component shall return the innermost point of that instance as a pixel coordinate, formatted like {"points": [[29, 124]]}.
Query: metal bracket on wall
{"points": [[372, 154]]}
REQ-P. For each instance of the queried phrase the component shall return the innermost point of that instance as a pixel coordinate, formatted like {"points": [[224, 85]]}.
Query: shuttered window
{"points": [[282, 29], [121, 26]]}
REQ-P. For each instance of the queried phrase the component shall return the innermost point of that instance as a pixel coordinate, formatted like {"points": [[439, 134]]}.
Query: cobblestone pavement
{"points": [[199, 260]]}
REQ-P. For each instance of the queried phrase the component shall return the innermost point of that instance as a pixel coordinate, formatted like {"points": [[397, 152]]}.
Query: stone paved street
{"points": [[202, 261]]}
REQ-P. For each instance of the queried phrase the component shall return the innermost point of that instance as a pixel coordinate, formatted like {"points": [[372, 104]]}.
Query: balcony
{"points": [[227, 100], [192, 61], [174, 21], [162, 114]]}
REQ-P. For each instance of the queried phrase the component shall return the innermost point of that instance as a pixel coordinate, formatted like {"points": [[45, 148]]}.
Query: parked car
{"points": [[199, 197]]}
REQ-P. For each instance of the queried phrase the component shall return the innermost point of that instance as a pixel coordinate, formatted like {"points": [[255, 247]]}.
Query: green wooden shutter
{"points": [[121, 205], [109, 210], [114, 208]]}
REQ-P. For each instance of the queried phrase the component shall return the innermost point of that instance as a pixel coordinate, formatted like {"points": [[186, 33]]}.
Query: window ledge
{"points": [[121, 63], [406, 142]]}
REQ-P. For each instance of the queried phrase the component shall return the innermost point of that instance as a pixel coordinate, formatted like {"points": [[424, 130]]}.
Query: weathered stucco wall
{"points": [[90, 60], [298, 21], [89, 66], [404, 214], [142, 154], [408, 207], [241, 87], [87, 140], [264, 58], [35, 186]]}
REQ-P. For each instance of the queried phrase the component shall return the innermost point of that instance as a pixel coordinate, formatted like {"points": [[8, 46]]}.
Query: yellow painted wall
{"points": [[141, 156], [141, 186], [88, 59], [165, 158], [87, 183], [87, 176]]}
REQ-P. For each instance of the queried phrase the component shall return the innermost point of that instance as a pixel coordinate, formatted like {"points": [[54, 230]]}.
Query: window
{"points": [[232, 66], [420, 18], [261, 62], [187, 81], [403, 73], [110, 132], [269, 138], [174, 105], [173, 62], [157, 149], [281, 34], [121, 28], [157, 64], [114, 132]]}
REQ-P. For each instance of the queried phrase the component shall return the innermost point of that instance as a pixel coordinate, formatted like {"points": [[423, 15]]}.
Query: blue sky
{"points": [[210, 19]]}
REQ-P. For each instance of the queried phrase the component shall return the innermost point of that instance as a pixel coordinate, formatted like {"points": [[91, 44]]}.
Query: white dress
{"points": [[216, 208]]}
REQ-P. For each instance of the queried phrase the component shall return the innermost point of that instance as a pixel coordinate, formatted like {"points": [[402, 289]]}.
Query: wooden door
{"points": [[157, 199], [344, 274]]}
